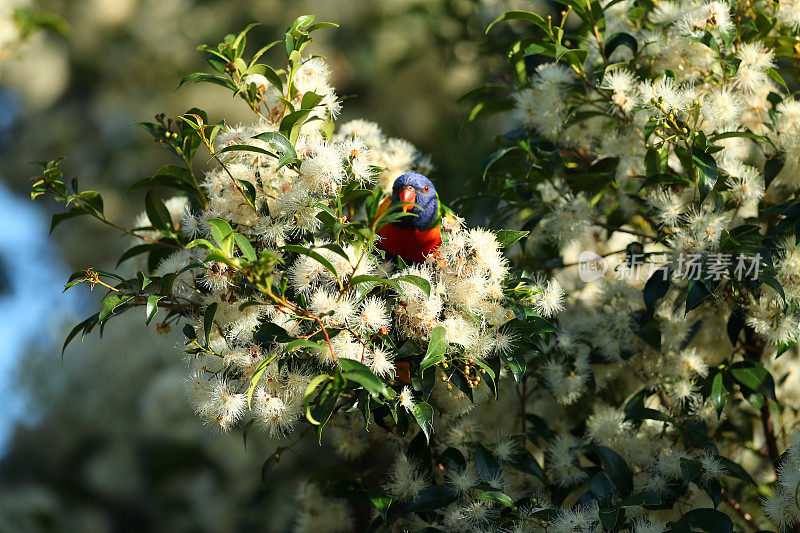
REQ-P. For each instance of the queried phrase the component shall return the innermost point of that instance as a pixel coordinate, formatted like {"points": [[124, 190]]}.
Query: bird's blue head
{"points": [[416, 188]]}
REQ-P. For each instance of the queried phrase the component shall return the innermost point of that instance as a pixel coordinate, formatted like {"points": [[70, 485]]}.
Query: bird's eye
{"points": [[427, 188]]}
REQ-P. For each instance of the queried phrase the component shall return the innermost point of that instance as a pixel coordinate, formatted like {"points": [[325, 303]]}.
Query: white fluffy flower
{"points": [[569, 220], [373, 315], [722, 109], [789, 13], [324, 167], [406, 480], [406, 398], [745, 184], [549, 299], [218, 402], [381, 362], [622, 83]]}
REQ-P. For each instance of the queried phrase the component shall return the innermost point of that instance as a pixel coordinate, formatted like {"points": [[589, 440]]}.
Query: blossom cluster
{"points": [[504, 397], [465, 276], [668, 134]]}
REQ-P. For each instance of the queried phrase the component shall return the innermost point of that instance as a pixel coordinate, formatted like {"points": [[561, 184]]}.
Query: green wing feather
{"points": [[443, 210]]}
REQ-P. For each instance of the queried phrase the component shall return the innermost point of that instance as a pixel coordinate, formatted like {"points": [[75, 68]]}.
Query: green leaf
{"points": [[736, 470], [222, 233], [719, 394], [621, 39], [772, 168], [497, 497], [423, 413], [487, 107], [770, 281], [699, 291], [302, 20], [208, 321], [735, 324], [259, 371], [651, 335], [138, 249], [292, 122], [296, 344], [245, 247], [432, 498], [515, 362], [602, 489], [690, 469], [197, 77], [507, 237], [655, 161], [249, 192], [486, 464], [706, 172], [171, 176], [420, 451], [302, 250], [361, 374], [220, 229], [152, 307], [609, 517], [310, 388], [643, 498], [539, 325], [277, 141], [656, 288], [320, 25], [534, 49], [310, 100], [284, 147], [772, 73], [452, 458], [380, 500], [743, 134], [325, 404], [268, 333], [709, 520], [240, 40], [754, 376], [650, 127], [270, 464], [635, 409], [85, 325], [111, 303], [202, 243], [273, 77], [58, 218], [616, 469], [364, 278], [495, 157], [93, 201], [420, 282], [437, 350], [524, 461], [157, 212], [526, 16]]}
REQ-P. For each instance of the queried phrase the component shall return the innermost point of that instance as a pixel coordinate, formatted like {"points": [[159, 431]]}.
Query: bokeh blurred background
{"points": [[104, 440]]}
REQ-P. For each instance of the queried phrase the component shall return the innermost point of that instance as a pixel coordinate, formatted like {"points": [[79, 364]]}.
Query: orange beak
{"points": [[409, 195]]}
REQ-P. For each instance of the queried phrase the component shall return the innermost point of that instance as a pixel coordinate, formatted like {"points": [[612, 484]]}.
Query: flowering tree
{"points": [[660, 140], [267, 261]]}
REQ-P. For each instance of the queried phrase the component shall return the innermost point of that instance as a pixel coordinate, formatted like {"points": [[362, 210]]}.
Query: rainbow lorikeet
{"points": [[417, 234]]}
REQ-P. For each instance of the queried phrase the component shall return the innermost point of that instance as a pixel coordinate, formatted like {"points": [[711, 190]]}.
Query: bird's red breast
{"points": [[410, 244]]}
